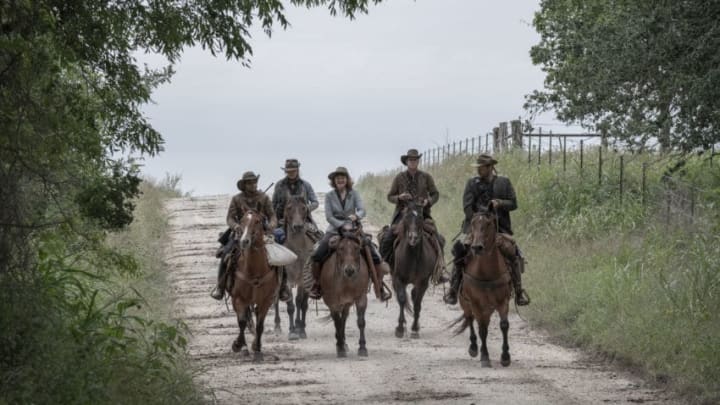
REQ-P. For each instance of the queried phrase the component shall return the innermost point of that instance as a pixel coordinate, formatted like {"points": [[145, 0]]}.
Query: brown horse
{"points": [[255, 284], [486, 287], [295, 214], [344, 280], [415, 260]]}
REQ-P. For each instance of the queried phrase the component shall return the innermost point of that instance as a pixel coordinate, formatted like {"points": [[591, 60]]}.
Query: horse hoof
{"points": [[236, 346], [302, 334], [362, 352], [245, 352], [341, 352], [505, 360], [278, 329], [399, 332], [473, 352], [293, 336], [415, 334], [485, 363], [258, 357]]}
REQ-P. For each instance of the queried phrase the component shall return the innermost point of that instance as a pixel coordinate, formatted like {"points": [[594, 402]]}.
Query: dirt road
{"points": [[433, 369]]}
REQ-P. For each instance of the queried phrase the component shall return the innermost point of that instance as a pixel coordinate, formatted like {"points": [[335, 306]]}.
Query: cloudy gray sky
{"points": [[330, 91]]}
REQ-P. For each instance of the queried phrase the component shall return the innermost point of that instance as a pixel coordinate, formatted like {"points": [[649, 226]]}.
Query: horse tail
{"points": [[466, 322]]}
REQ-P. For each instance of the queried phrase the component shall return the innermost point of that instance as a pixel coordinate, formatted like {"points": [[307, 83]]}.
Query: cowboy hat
{"points": [[247, 176], [339, 171], [291, 164], [412, 153], [484, 159]]}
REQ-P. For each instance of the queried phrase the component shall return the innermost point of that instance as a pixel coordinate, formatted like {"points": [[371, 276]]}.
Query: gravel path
{"points": [[433, 369]]}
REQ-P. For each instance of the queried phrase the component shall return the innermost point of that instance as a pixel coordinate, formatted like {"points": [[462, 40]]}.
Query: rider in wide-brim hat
{"points": [[339, 171], [247, 176], [484, 159], [411, 154]]}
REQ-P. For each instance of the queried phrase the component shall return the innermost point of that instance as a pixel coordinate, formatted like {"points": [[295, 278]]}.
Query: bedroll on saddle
{"points": [[278, 255]]}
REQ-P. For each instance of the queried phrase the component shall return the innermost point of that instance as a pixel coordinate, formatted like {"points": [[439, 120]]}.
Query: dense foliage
{"points": [[71, 129], [637, 70]]}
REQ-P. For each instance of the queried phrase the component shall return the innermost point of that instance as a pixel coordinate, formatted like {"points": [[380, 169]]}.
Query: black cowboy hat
{"points": [[339, 171], [412, 153], [247, 176], [291, 164], [485, 159]]}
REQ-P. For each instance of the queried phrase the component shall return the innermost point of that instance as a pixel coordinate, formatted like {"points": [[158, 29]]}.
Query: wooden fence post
{"points": [[564, 140], [496, 140], [550, 149], [582, 149], [472, 146], [529, 149], [539, 145], [516, 130], [503, 136]]}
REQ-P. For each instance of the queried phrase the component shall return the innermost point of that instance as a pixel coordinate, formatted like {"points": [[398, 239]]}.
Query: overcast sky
{"points": [[330, 91]]}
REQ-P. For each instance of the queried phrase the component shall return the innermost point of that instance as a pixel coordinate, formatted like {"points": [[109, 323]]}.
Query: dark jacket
{"points": [[421, 185], [258, 201], [477, 196], [285, 187]]}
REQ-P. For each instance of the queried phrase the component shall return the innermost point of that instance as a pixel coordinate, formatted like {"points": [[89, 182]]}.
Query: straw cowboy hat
{"points": [[291, 164], [247, 176], [340, 171], [412, 153], [484, 160]]}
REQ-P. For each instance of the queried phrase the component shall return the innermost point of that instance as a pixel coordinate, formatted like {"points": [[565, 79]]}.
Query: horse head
{"points": [[251, 228], [483, 229], [349, 253], [296, 211], [412, 223]]}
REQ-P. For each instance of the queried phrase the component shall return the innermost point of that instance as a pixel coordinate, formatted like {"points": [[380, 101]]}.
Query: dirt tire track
{"points": [[433, 369]]}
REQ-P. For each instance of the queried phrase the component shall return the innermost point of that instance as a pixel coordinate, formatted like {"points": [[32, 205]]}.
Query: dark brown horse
{"points": [[415, 260], [255, 284], [486, 287], [297, 240], [344, 281]]}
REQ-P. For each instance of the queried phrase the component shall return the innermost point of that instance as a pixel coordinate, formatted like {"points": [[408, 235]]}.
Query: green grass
{"points": [[88, 321], [612, 275]]}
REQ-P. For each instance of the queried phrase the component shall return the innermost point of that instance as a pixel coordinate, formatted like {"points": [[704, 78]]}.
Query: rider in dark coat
{"points": [[293, 185], [480, 191], [411, 184], [249, 196]]}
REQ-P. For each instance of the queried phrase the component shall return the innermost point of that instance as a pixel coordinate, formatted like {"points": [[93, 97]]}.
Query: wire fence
{"points": [[626, 173]]}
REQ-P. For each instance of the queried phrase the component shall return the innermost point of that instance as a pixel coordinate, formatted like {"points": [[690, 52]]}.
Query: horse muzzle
{"points": [[296, 228], [477, 249], [349, 271], [244, 243], [413, 239]]}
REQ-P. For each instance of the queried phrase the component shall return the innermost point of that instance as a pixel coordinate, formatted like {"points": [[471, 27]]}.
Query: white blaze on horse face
{"points": [[244, 236]]}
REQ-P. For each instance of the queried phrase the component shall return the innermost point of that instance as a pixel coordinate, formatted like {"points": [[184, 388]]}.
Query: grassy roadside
{"points": [[604, 273], [88, 320]]}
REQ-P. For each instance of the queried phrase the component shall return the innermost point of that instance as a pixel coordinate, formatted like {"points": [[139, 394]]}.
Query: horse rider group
{"points": [[344, 208]]}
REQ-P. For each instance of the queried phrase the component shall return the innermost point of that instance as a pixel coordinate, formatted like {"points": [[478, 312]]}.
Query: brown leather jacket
{"points": [[258, 201], [421, 186]]}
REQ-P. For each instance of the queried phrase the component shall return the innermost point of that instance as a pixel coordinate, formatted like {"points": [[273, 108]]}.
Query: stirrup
{"points": [[315, 292], [522, 298], [217, 293]]}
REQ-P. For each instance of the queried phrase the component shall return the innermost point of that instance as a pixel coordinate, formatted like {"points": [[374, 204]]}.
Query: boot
{"points": [[450, 297], [381, 292], [219, 292], [516, 269], [284, 294], [315, 292]]}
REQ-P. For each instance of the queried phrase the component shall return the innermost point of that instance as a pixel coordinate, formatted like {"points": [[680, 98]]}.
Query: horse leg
{"points": [[339, 335], [401, 299], [292, 335], [302, 308], [278, 329], [473, 350], [483, 329], [345, 313], [360, 307], [239, 343], [417, 294], [504, 326], [260, 313]]}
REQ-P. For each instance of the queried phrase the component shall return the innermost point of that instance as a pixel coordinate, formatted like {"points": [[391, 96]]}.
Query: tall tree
{"points": [[71, 92], [639, 70]]}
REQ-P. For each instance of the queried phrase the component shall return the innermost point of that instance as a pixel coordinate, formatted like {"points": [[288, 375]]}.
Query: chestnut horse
{"points": [[486, 287], [415, 260], [295, 214], [344, 281], [255, 284]]}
